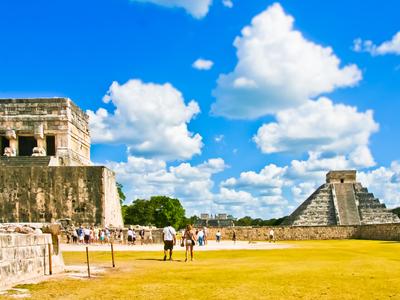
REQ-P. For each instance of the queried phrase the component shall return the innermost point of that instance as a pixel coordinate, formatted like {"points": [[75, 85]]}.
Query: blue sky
{"points": [[282, 92]]}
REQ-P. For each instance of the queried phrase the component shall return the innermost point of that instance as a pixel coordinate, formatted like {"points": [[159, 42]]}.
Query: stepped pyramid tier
{"points": [[341, 201]]}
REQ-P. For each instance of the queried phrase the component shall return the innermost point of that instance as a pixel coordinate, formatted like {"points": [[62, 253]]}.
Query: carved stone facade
{"points": [[53, 127], [45, 172], [341, 201]]}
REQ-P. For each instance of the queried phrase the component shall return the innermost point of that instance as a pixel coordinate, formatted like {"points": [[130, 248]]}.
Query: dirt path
{"points": [[211, 246]]}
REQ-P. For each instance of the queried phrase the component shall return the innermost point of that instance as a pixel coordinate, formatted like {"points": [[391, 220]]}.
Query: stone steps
{"points": [[346, 202], [24, 161]]}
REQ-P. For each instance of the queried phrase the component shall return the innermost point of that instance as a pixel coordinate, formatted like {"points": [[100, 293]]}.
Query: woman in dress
{"points": [[190, 240]]}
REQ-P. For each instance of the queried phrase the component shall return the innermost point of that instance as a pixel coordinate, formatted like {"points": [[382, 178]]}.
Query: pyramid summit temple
{"points": [[341, 201]]}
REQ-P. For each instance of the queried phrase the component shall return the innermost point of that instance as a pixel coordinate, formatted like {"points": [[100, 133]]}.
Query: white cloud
{"points": [[203, 64], [151, 119], [384, 182], [277, 68], [269, 181], [143, 178], [320, 126], [389, 47], [227, 3], [196, 8], [219, 138]]}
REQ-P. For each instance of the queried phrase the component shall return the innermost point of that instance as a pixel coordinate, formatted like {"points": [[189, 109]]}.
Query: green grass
{"points": [[347, 269]]}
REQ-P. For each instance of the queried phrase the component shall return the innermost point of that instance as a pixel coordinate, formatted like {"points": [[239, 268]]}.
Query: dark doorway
{"points": [[3, 144], [50, 146], [342, 180], [26, 145]]}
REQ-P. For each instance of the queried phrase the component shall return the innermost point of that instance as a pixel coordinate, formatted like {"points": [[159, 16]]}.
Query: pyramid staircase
{"points": [[341, 203]]}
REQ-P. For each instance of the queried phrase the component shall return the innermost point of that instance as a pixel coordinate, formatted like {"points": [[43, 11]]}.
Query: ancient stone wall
{"points": [[45, 194], [25, 257], [389, 232]]}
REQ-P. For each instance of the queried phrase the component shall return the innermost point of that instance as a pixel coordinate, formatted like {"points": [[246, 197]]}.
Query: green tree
{"points": [[245, 221], [121, 194], [158, 211]]}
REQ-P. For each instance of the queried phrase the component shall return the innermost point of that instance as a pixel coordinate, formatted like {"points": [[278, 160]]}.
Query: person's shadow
{"points": [[159, 259]]}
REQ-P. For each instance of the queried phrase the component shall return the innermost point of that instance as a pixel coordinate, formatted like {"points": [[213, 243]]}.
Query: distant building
{"points": [[204, 216], [220, 220]]}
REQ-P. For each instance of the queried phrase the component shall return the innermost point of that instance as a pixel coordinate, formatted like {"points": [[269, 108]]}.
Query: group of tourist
{"points": [[132, 236], [97, 235]]}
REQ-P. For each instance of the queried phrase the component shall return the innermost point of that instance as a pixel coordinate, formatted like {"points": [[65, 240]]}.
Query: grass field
{"points": [[347, 269]]}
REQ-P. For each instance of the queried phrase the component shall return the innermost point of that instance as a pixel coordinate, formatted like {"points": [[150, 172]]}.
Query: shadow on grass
{"points": [[160, 259], [389, 242]]}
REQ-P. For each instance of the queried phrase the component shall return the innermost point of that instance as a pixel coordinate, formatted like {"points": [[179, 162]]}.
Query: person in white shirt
{"points": [[130, 236], [271, 236], [218, 236], [87, 232], [169, 238]]}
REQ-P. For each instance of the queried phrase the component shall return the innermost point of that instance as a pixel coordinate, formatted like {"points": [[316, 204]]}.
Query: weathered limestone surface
{"points": [[388, 232], [86, 194], [25, 257], [42, 117], [341, 201], [46, 173]]}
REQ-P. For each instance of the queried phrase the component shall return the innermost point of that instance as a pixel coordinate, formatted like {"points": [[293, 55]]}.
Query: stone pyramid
{"points": [[341, 201]]}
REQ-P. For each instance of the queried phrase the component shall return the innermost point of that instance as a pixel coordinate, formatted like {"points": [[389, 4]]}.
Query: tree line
{"points": [[160, 210]]}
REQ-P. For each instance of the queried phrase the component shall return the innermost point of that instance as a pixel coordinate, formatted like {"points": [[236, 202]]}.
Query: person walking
{"points": [[169, 238], [189, 237], [234, 237]]}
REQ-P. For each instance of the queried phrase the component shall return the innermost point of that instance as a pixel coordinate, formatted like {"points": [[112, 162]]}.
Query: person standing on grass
{"points": [[169, 238], [189, 237]]}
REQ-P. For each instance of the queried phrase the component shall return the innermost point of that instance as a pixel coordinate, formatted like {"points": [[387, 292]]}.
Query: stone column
{"points": [[41, 142], [12, 137]]}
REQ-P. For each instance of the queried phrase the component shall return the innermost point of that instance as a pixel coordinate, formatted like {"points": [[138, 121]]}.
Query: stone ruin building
{"points": [[45, 168], [341, 201]]}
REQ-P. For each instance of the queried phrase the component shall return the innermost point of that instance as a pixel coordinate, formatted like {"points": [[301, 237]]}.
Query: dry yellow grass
{"points": [[312, 270]]}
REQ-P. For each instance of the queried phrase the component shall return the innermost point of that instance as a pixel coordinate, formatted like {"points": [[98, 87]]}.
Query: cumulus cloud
{"points": [[322, 127], [384, 182], [277, 68], [196, 8], [269, 181], [194, 186], [151, 119], [227, 3], [203, 64], [389, 47], [144, 178]]}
